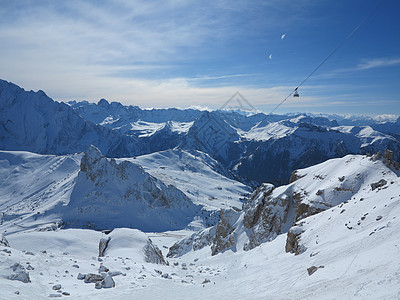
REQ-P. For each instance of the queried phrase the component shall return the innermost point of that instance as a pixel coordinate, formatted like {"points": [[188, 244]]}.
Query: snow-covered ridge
{"points": [[272, 211], [110, 194]]}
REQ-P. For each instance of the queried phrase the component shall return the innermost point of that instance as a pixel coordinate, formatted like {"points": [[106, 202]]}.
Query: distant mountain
{"points": [[257, 147], [31, 121]]}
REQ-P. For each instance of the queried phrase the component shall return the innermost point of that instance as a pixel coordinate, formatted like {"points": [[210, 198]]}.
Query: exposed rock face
{"points": [[195, 242], [223, 238], [305, 210], [265, 216], [294, 176], [255, 204], [3, 241], [389, 161], [293, 241], [271, 211], [153, 254], [103, 245]]}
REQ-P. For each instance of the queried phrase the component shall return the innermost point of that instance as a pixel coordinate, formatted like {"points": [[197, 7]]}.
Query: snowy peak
{"points": [[31, 121], [213, 135], [110, 194], [90, 158]]}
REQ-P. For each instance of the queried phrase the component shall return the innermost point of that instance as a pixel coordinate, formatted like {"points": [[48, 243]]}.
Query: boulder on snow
{"points": [[19, 273], [311, 270], [103, 245], [103, 268], [90, 278], [108, 282], [133, 242], [378, 184]]}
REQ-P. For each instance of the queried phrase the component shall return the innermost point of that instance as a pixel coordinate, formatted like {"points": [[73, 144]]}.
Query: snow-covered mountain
{"points": [[258, 147], [172, 196], [272, 211], [90, 190], [31, 121], [262, 148], [346, 233], [109, 194]]}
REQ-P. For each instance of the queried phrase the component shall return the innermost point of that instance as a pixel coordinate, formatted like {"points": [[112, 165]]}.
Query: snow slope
{"points": [[51, 191], [353, 245], [191, 172], [271, 211]]}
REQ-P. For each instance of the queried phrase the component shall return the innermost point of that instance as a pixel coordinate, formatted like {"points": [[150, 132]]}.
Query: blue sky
{"points": [[178, 53]]}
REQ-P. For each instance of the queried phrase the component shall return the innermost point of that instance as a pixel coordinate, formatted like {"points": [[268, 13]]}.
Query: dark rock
{"points": [[93, 278], [103, 245], [311, 270], [378, 184], [152, 254], [292, 241], [3, 241]]}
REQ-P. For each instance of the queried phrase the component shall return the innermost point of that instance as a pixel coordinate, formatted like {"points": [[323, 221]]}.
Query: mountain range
{"points": [[105, 200], [257, 147]]}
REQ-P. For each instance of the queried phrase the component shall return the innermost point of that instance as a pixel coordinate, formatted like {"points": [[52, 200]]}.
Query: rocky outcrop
{"points": [[103, 245], [389, 161], [224, 237], [19, 273], [3, 241], [265, 216], [305, 210], [195, 242], [378, 184], [152, 254], [293, 244]]}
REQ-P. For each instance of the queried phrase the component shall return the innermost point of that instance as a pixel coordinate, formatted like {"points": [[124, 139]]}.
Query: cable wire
{"points": [[370, 15]]}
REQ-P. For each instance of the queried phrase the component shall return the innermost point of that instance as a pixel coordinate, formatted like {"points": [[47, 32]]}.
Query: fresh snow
{"points": [[353, 245]]}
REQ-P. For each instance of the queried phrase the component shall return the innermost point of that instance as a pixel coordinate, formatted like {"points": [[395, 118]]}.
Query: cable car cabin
{"points": [[296, 93]]}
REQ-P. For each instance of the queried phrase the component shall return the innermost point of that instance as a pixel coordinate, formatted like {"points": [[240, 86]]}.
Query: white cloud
{"points": [[378, 63]]}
